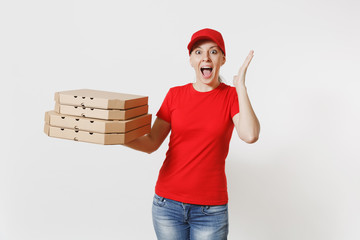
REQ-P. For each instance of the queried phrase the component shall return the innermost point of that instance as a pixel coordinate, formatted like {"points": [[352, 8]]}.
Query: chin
{"points": [[208, 81]]}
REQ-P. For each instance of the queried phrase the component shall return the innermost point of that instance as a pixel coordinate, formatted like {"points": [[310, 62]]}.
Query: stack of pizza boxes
{"points": [[98, 116]]}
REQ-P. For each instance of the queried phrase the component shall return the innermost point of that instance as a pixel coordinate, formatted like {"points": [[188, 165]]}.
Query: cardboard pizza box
{"points": [[100, 99], [95, 125], [93, 137], [106, 114]]}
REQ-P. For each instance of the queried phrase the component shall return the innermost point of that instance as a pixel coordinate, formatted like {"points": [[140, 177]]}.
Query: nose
{"points": [[206, 57]]}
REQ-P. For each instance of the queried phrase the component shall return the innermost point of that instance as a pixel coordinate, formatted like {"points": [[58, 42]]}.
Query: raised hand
{"points": [[239, 79]]}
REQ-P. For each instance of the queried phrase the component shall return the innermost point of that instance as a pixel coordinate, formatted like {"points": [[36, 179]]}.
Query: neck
{"points": [[201, 87]]}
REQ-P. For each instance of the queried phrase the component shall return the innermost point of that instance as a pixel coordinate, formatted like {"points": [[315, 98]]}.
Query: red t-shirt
{"points": [[201, 128]]}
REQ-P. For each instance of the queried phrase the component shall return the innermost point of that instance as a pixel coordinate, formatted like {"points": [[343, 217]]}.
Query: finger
{"points": [[247, 61], [249, 57]]}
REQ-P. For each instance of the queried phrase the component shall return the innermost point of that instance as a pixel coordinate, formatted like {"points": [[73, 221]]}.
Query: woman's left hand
{"points": [[239, 80]]}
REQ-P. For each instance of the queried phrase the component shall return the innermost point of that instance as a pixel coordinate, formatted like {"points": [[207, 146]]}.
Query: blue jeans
{"points": [[175, 220]]}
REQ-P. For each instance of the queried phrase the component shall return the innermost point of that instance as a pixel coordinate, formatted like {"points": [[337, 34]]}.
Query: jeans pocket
{"points": [[159, 201], [214, 210]]}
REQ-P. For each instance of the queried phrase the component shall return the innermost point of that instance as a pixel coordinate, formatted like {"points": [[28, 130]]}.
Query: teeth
{"points": [[205, 68]]}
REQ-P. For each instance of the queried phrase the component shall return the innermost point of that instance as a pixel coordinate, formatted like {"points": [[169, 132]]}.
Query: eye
{"points": [[197, 52], [213, 51]]}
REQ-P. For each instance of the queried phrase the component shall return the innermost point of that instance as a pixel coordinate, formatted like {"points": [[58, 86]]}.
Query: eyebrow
{"points": [[209, 48]]}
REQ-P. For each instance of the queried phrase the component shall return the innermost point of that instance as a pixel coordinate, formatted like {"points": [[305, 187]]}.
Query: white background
{"points": [[300, 181]]}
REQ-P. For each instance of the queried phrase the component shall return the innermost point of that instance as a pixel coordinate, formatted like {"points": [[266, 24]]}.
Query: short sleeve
{"points": [[164, 111], [234, 105]]}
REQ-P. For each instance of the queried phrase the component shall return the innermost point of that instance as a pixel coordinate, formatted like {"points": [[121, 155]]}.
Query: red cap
{"points": [[209, 34]]}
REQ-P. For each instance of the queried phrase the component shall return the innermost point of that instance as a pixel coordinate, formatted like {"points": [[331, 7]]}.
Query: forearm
{"points": [[248, 124], [152, 141], [143, 144]]}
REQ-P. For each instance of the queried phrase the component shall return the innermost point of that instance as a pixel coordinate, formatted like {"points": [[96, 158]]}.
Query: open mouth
{"points": [[206, 71]]}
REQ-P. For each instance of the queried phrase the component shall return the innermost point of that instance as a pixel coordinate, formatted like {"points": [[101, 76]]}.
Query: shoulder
{"points": [[227, 89], [179, 89]]}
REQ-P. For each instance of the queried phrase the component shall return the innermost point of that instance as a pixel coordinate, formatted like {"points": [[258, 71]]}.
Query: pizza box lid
{"points": [[106, 114], [100, 99], [95, 125], [93, 137]]}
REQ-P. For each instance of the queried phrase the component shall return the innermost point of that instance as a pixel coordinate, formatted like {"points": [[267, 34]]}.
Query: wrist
{"points": [[240, 87]]}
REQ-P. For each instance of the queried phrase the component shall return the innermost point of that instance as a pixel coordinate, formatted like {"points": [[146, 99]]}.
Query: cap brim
{"points": [[192, 42]]}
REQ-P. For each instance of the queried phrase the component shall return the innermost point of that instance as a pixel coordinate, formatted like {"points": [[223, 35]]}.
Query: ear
{"points": [[191, 63], [223, 60]]}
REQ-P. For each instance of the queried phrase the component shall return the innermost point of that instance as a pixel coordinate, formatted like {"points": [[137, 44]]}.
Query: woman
{"points": [[191, 197]]}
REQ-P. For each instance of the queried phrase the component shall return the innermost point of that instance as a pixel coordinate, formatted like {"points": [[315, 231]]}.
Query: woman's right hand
{"points": [[152, 141]]}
